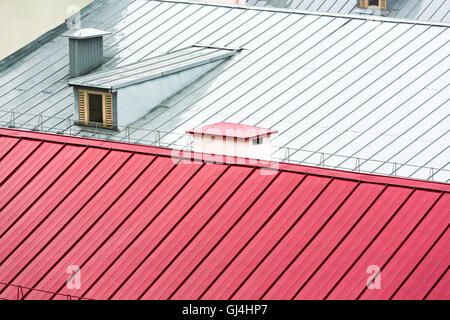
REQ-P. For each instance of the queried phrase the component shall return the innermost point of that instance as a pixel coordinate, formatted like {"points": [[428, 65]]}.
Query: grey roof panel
{"points": [[334, 87], [426, 10]]}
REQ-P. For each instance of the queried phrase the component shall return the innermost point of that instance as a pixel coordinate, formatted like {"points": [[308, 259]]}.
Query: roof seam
{"points": [[11, 147], [189, 242], [166, 234], [436, 283], [63, 172], [113, 232], [403, 242], [291, 227], [380, 231], [418, 263], [73, 216], [224, 235], [121, 224], [33, 177], [92, 225], [42, 221], [261, 227], [20, 164], [343, 238]]}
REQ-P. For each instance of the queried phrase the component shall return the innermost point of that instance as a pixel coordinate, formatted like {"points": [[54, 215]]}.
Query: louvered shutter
{"points": [[382, 4], [364, 3], [108, 120], [83, 112]]}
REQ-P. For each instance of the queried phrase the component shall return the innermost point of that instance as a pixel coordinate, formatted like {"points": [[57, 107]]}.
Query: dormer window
{"points": [[376, 4], [95, 108]]}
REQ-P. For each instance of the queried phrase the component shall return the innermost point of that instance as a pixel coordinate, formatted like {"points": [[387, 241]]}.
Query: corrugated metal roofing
{"points": [[352, 87], [152, 68], [427, 10], [142, 224]]}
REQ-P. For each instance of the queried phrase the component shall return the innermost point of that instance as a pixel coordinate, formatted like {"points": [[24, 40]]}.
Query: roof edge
{"points": [[315, 13], [435, 186]]}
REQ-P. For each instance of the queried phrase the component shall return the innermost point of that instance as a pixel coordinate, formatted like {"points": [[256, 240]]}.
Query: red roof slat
{"points": [[210, 237], [299, 267], [254, 218], [87, 218], [384, 245], [353, 243], [413, 250], [267, 240], [429, 273]]}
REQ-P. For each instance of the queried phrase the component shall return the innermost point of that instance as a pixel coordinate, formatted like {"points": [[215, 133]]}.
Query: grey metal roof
{"points": [[154, 67], [427, 10], [334, 87]]}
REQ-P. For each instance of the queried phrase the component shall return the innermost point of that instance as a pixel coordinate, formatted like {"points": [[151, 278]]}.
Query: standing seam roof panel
{"points": [[410, 253], [287, 257], [353, 284], [210, 236], [139, 214], [136, 286], [294, 215], [84, 220]]}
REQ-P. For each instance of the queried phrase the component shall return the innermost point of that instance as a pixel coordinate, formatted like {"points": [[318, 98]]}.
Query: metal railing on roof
{"points": [[181, 141], [22, 291]]}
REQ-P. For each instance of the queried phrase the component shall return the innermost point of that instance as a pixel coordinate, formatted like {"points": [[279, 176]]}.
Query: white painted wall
{"points": [[231, 147], [22, 21], [135, 101]]}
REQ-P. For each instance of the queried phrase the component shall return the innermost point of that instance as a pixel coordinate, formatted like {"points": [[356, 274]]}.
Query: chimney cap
{"points": [[86, 33], [233, 130]]}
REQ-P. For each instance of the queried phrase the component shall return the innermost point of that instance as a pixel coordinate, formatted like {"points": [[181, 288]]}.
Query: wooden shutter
{"points": [[382, 4], [83, 110], [364, 3], [108, 111]]}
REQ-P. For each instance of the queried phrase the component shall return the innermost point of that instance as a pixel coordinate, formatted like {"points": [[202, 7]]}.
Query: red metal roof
{"points": [[142, 224], [233, 130]]}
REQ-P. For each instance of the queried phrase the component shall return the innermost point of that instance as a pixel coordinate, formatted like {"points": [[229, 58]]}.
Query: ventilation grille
{"points": [[82, 107], [108, 115]]}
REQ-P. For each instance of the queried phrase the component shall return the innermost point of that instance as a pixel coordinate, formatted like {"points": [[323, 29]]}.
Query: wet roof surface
{"points": [[426, 10], [143, 223], [336, 88]]}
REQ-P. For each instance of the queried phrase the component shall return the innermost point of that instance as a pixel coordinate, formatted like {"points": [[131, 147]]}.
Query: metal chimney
{"points": [[85, 50]]}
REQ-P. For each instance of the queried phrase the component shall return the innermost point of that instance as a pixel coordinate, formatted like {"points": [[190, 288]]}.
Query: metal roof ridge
{"points": [[314, 13]]}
